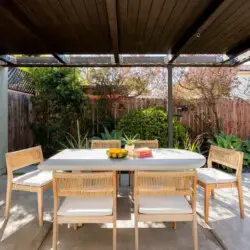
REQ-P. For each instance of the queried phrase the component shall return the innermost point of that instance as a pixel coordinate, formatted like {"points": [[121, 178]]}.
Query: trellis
{"points": [[19, 80]]}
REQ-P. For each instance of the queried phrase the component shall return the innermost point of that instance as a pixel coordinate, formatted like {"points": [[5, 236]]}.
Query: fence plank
{"points": [[20, 118]]}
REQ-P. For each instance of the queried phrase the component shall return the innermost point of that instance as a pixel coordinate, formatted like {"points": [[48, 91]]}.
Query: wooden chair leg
{"points": [[212, 193], [206, 203], [174, 225], [195, 234], [8, 200], [75, 227], [40, 206], [55, 234], [136, 236], [114, 235], [241, 203]]}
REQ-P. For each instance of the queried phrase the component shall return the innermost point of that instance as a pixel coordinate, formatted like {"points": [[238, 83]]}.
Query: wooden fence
{"points": [[20, 119], [234, 116]]}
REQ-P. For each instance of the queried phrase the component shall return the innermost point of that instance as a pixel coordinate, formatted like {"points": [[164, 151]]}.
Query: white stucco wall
{"points": [[3, 117], [243, 89]]}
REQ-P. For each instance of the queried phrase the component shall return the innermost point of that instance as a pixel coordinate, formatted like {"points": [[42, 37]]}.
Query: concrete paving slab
{"points": [[224, 218], [22, 232], [155, 236]]}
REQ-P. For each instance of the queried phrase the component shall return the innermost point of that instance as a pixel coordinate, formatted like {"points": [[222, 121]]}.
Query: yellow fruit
{"points": [[113, 155], [120, 155], [115, 150]]}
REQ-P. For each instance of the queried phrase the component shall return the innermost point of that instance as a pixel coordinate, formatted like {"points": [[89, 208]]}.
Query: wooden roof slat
{"points": [[112, 17], [219, 26], [122, 13], [63, 27], [142, 18], [203, 21], [133, 14], [23, 20], [175, 20], [162, 20], [152, 19], [229, 29]]}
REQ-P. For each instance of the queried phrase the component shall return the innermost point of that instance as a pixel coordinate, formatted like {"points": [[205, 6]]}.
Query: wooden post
{"points": [[3, 117], [170, 107]]}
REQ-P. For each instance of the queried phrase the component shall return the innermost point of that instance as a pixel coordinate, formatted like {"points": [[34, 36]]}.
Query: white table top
{"points": [[97, 159]]}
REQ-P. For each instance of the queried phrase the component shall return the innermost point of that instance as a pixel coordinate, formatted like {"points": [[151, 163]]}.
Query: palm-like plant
{"points": [[78, 142], [192, 145]]}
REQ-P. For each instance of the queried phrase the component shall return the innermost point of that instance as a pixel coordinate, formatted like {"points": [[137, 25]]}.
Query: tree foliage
{"points": [[58, 104], [208, 85], [116, 83]]}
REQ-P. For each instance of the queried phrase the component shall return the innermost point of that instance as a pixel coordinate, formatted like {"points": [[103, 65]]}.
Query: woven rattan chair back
{"points": [[105, 144], [23, 158], [231, 159], [20, 159], [165, 183], [83, 184], [227, 157], [147, 143]]}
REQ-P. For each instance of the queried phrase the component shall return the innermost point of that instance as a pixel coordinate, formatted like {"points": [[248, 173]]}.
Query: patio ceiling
{"points": [[124, 32]]}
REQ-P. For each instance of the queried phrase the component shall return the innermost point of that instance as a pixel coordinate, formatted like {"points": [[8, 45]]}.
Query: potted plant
{"points": [[130, 143]]}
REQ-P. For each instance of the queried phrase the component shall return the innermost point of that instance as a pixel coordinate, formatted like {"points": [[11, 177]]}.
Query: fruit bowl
{"points": [[117, 153]]}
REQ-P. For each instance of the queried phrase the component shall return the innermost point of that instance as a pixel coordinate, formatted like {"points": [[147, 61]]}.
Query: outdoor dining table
{"points": [[163, 159]]}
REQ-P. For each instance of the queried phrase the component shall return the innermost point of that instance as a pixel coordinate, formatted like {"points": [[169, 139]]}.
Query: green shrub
{"points": [[151, 124], [235, 143]]}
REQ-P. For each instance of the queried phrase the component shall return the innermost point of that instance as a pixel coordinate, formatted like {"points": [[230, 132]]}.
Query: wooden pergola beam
{"points": [[10, 60], [215, 8], [238, 50], [113, 27], [62, 58], [16, 13]]}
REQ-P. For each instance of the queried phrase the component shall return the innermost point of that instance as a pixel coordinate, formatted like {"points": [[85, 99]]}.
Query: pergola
{"points": [[121, 33]]}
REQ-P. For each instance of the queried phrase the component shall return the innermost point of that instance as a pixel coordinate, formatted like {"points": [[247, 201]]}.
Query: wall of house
{"points": [[3, 117], [243, 89]]}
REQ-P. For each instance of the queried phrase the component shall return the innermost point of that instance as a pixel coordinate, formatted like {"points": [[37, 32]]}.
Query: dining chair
{"points": [[142, 144], [105, 144], [210, 178], [160, 197], [99, 144], [147, 143], [89, 198], [35, 181]]}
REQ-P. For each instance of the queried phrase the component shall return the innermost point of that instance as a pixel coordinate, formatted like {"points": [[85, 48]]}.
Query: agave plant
{"points": [[113, 135], [130, 140], [78, 142]]}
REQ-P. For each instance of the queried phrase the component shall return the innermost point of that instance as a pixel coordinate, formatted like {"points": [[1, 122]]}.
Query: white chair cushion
{"points": [[164, 205], [214, 176], [35, 178], [86, 206]]}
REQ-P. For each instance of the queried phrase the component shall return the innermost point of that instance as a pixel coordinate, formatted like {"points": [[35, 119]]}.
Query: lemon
{"points": [[120, 155], [113, 155]]}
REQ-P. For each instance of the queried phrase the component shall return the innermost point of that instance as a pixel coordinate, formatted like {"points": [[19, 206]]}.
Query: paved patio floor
{"points": [[22, 231]]}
